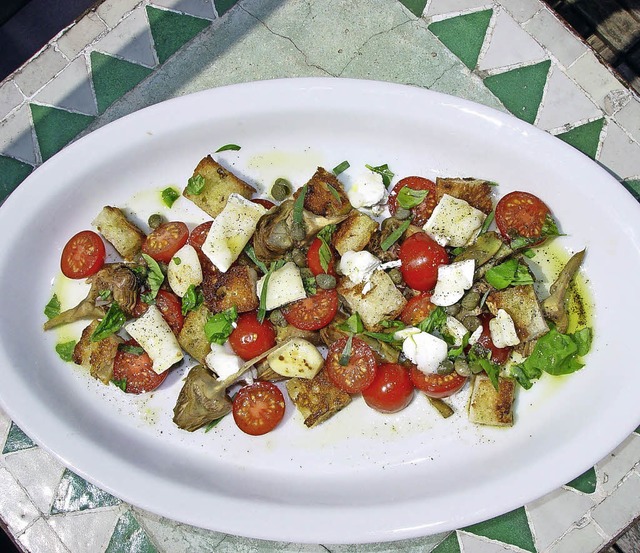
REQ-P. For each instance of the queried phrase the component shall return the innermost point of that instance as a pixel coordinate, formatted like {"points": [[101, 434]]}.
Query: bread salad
{"points": [[352, 283]]}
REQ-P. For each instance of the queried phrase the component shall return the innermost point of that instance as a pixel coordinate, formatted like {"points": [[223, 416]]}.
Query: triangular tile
{"points": [[199, 8], [76, 494], [16, 440], [509, 44], [16, 136], [438, 8], [635, 184], [585, 138], [172, 30], [586, 482], [12, 173], [113, 78], [464, 34], [449, 545], [129, 537], [416, 7], [512, 528], [55, 128], [87, 531], [520, 90], [469, 542], [223, 6], [619, 152]]}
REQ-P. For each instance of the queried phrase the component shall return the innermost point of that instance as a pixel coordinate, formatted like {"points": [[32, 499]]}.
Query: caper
{"points": [[402, 213], [470, 300], [155, 220], [281, 189], [395, 275], [277, 318], [471, 323], [446, 367], [452, 310], [462, 367], [298, 231], [298, 257], [325, 281]]}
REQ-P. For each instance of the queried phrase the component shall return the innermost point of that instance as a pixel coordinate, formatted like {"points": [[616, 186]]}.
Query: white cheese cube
{"points": [[184, 269], [454, 222], [285, 285], [425, 351], [223, 361], [155, 337], [364, 189], [503, 331], [231, 230], [452, 282]]}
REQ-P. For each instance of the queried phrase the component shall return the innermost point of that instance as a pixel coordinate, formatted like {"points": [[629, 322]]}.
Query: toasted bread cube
{"points": [[382, 301], [98, 356], [473, 191], [192, 338], [121, 233], [219, 184], [521, 303], [354, 233], [317, 399], [325, 195], [235, 287], [490, 406]]}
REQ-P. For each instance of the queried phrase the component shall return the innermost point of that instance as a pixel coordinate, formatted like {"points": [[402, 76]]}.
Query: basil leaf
{"points": [[457, 351], [435, 321], [487, 222], [385, 337], [408, 197], [52, 309], [333, 191], [226, 147], [352, 324], [155, 276], [583, 339], [326, 233], [111, 323], [65, 350], [310, 285], [341, 168], [128, 348], [557, 354], [524, 374], [491, 369], [509, 273], [192, 299], [384, 171], [195, 184], [122, 384], [262, 309], [298, 206], [324, 253], [346, 352], [219, 327], [169, 196], [398, 325], [251, 254], [104, 295], [395, 235], [549, 228], [529, 253]]}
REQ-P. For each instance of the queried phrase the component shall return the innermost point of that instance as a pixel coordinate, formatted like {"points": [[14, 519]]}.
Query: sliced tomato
{"points": [[199, 234], [136, 370], [391, 389], [314, 312], [498, 355], [258, 408], [424, 209], [162, 243], [250, 338], [418, 308], [268, 204], [169, 305], [421, 256], [437, 385], [360, 368], [83, 255], [521, 214], [313, 259]]}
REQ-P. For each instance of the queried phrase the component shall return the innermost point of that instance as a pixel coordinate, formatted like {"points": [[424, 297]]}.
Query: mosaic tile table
{"points": [[513, 55]]}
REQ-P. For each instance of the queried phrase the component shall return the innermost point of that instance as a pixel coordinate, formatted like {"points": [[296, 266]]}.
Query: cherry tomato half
{"points": [[83, 255], [418, 308], [136, 369], [498, 355], [521, 213], [169, 305], [199, 235], [250, 338], [421, 256], [268, 204], [437, 385], [258, 408], [391, 389], [313, 259], [162, 243], [314, 312], [425, 208], [359, 371]]}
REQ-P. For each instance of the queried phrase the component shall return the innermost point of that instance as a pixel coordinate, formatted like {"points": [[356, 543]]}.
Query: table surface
{"points": [[513, 55]]}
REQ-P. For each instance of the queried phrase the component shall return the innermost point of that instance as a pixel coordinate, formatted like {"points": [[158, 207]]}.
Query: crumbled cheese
{"points": [[358, 267], [452, 282], [454, 328], [223, 361], [365, 189], [475, 335], [454, 222], [503, 331], [425, 350]]}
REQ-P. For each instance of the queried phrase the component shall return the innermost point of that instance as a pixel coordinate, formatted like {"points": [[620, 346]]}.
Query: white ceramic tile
{"points": [[84, 32], [554, 36], [86, 531], [130, 40], [40, 538], [38, 473], [16, 136], [199, 8], [5, 424], [616, 100], [580, 539], [629, 117], [476, 544], [621, 154], [10, 98], [593, 77], [620, 508], [509, 45], [71, 89], [441, 7], [564, 102], [555, 512], [521, 10], [16, 509], [112, 11], [40, 70]]}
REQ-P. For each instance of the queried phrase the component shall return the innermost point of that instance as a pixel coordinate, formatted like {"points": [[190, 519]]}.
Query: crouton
{"points": [[490, 406], [98, 356], [121, 233], [219, 184], [235, 287], [192, 338], [354, 233], [473, 191], [317, 399], [325, 195], [521, 303]]}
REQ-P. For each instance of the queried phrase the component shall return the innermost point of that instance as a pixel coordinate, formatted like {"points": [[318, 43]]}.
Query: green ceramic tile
{"points": [[512, 528], [585, 483], [76, 494], [416, 7], [113, 78], [55, 128], [520, 90], [585, 137], [172, 30], [129, 537], [16, 440], [464, 35], [637, 187], [448, 545], [223, 6], [12, 173]]}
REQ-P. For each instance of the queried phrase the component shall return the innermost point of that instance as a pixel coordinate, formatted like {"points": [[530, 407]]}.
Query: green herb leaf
{"points": [[395, 235], [52, 309], [65, 350], [487, 222], [226, 147], [509, 273], [386, 337], [248, 249], [169, 196], [549, 228], [111, 323], [408, 197], [435, 321], [219, 327], [353, 324], [457, 251], [384, 171], [346, 352], [457, 351], [558, 354], [524, 375], [195, 184], [529, 253], [393, 323], [192, 299], [341, 168], [482, 358], [324, 253], [104, 295], [128, 348], [155, 276], [333, 191], [148, 298], [310, 285], [298, 206], [122, 384], [583, 339]]}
